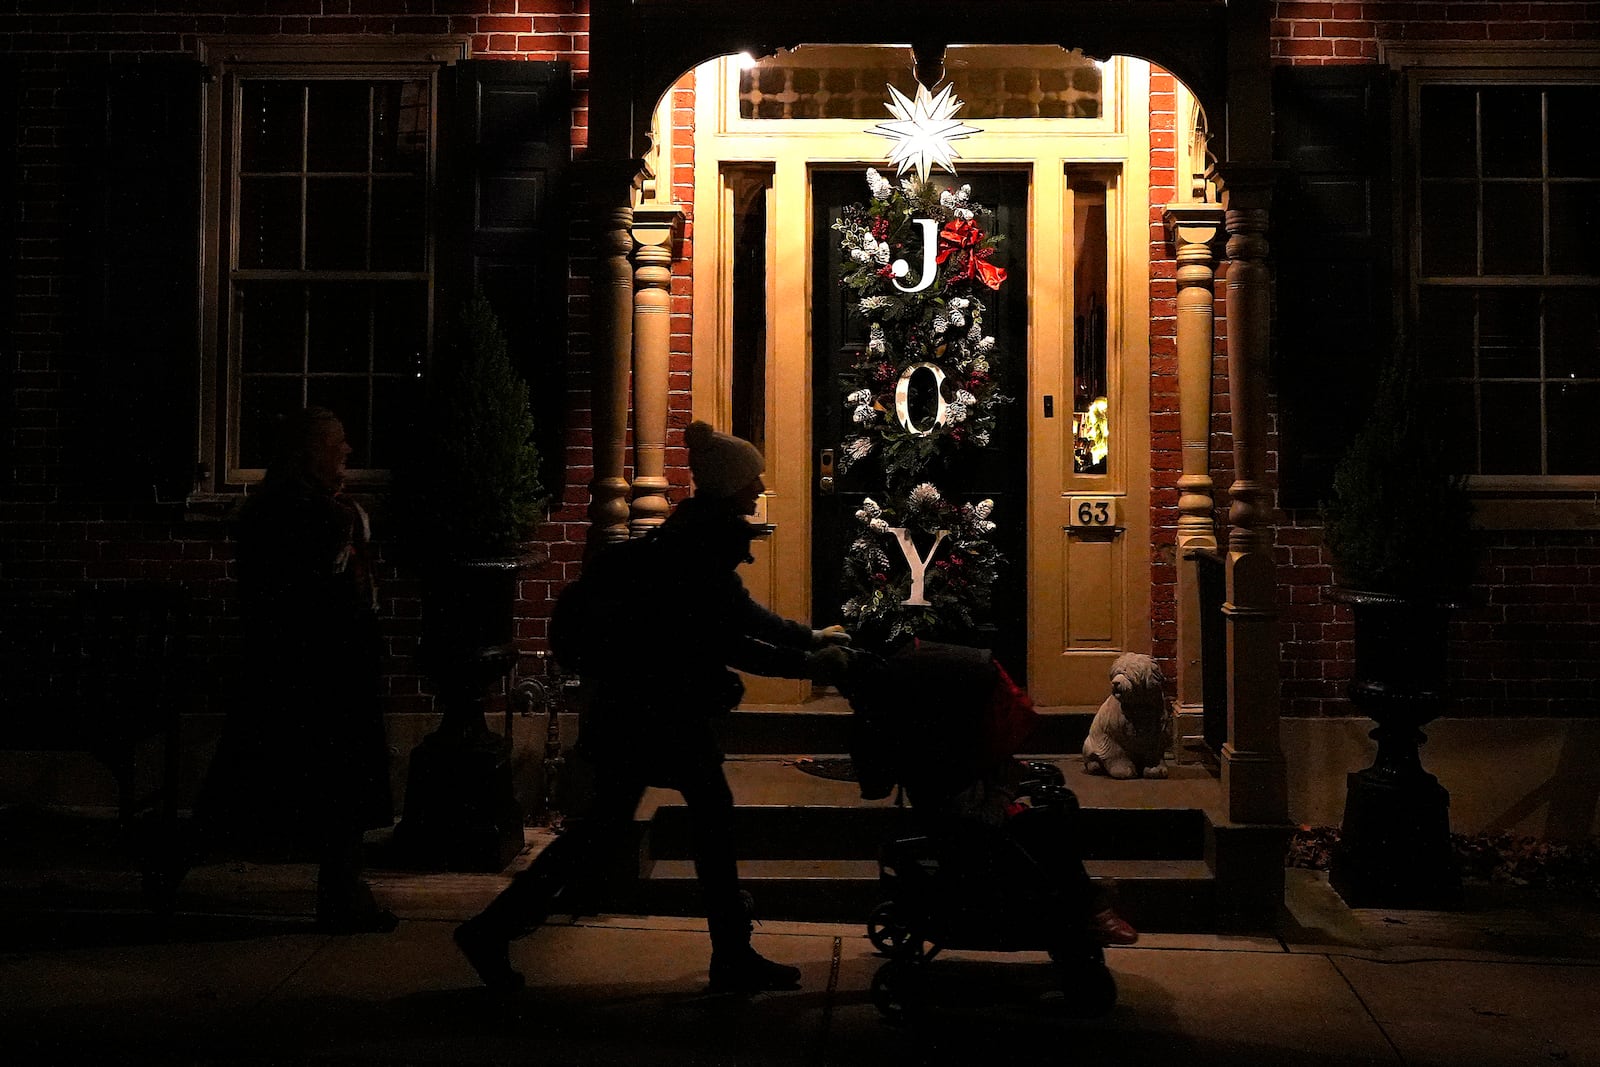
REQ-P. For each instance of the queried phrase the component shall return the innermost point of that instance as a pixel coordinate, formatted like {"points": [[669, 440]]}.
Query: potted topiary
{"points": [[1398, 525], [471, 489], [468, 496]]}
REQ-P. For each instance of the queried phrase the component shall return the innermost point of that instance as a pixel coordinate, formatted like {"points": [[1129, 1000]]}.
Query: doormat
{"points": [[833, 768]]}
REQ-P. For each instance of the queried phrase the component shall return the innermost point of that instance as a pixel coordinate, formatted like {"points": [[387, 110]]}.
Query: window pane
{"points": [[394, 417], [338, 330], [1574, 150], [1449, 228], [270, 116], [749, 189], [1513, 228], [1510, 429], [399, 224], [336, 126], [336, 223], [269, 223], [1460, 430], [271, 325], [1572, 334], [1574, 429], [399, 327], [1574, 228], [1091, 411], [1444, 331], [1449, 132], [1508, 334], [1512, 125], [262, 401], [346, 398], [400, 127]]}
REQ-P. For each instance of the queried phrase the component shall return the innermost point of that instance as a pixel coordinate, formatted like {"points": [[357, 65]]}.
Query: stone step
{"points": [[823, 726], [809, 844], [782, 832], [1155, 895]]}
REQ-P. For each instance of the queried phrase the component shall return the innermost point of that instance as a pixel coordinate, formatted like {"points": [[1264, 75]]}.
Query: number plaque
{"points": [[1094, 512]]}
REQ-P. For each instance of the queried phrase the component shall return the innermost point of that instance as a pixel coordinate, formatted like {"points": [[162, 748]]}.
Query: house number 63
{"points": [[1094, 511]]}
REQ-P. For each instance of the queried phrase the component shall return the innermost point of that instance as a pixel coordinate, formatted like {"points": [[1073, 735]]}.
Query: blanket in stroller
{"points": [[944, 722]]}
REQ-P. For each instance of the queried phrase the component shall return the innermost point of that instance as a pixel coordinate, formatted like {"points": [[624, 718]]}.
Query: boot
{"points": [[489, 952], [345, 904], [742, 969], [738, 968]]}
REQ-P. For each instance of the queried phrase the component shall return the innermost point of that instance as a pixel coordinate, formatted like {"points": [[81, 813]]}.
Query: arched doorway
{"points": [[1221, 50], [780, 146]]}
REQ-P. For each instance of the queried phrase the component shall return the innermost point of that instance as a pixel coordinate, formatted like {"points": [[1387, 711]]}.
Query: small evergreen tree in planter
{"points": [[1398, 525], [1399, 521], [468, 498]]}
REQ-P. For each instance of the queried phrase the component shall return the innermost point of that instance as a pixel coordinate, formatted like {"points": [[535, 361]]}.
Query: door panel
{"points": [[998, 472]]}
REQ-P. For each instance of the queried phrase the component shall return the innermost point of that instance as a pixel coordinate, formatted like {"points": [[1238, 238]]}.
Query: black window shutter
{"points": [[505, 222], [11, 102], [1333, 249], [142, 342]]}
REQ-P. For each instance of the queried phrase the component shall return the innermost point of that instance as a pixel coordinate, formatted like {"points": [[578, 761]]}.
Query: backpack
{"points": [[586, 610]]}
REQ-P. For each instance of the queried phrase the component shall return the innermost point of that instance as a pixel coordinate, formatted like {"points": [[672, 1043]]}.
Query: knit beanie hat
{"points": [[721, 463]]}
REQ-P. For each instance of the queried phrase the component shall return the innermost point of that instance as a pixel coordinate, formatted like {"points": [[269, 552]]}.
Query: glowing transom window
{"points": [[847, 82]]}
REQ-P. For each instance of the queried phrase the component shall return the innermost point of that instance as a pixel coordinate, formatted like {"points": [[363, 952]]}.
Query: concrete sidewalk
{"points": [[239, 976]]}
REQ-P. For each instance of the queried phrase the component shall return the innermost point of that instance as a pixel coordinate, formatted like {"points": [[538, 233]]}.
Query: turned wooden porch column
{"points": [[1252, 759], [1194, 228], [655, 235], [612, 334]]}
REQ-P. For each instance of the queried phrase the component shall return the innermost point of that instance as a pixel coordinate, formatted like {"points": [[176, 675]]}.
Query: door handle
{"points": [[825, 471]]}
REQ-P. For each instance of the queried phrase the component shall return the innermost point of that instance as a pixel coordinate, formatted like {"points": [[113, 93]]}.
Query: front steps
{"points": [[808, 846]]}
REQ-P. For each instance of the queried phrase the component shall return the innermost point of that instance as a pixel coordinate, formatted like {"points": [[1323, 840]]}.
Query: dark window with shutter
{"points": [[1332, 247], [506, 224], [11, 102]]}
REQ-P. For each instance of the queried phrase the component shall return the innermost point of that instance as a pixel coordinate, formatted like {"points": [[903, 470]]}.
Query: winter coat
{"points": [[304, 754], [652, 628]]}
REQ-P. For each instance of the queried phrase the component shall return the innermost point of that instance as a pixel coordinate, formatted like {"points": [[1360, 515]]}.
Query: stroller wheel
{"points": [[897, 988], [891, 934]]}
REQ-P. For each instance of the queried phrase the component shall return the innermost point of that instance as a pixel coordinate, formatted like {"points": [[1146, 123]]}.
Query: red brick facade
{"points": [[1529, 648]]}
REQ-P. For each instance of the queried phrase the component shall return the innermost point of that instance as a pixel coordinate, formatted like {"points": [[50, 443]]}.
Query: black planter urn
{"points": [[460, 811], [1394, 845]]}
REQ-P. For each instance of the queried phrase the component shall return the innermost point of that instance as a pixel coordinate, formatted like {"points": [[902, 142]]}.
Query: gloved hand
{"points": [[830, 635], [828, 665]]}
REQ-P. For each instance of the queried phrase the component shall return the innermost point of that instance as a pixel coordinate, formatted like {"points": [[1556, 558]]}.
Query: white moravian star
{"points": [[923, 129]]}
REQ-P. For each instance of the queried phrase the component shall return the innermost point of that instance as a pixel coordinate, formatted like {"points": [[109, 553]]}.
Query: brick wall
{"points": [[1530, 644]]}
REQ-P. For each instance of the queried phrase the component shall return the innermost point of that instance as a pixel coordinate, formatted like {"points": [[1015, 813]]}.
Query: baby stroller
{"points": [[993, 865]]}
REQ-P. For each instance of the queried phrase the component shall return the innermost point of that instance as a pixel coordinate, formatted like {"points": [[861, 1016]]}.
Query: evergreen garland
{"points": [[940, 325]]}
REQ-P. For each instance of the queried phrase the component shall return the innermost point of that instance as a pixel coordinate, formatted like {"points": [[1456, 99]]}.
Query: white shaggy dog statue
{"points": [[1130, 732]]}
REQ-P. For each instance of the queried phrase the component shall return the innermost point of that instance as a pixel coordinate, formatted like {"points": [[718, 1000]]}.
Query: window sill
{"points": [[1537, 511]]}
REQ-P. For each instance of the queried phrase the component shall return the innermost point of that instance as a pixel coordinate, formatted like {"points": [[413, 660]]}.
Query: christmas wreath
{"points": [[921, 564], [938, 325]]}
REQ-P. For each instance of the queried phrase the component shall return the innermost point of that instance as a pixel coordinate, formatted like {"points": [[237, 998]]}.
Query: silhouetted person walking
{"points": [[304, 762], [652, 628]]}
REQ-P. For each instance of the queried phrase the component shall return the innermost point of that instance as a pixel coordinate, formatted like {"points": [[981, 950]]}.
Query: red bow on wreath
{"points": [[963, 235]]}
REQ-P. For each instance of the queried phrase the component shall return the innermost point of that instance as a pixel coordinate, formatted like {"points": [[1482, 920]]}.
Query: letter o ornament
{"points": [[902, 400]]}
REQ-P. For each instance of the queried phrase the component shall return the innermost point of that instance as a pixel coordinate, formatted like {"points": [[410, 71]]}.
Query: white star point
{"points": [[923, 130]]}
